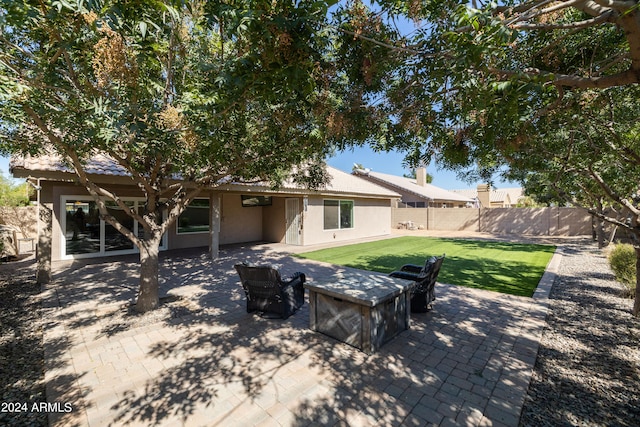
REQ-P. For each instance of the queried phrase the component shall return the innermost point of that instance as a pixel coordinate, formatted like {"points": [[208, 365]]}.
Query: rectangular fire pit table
{"points": [[360, 309]]}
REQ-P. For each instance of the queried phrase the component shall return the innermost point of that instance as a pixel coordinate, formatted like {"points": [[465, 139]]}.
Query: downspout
{"points": [[38, 188]]}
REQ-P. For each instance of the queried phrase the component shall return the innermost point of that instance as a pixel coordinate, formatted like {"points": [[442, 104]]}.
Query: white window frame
{"points": [[353, 207], [102, 252]]}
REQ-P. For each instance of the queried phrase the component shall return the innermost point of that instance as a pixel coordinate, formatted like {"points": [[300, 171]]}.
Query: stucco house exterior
{"points": [[347, 208], [415, 192], [494, 198]]}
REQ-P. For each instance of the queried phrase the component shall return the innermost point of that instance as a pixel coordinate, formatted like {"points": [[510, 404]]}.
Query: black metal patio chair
{"points": [[268, 293], [423, 292]]}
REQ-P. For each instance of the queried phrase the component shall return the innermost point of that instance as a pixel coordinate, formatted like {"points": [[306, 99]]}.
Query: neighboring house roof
{"points": [[52, 167], [504, 195], [515, 194], [343, 182], [426, 191]]}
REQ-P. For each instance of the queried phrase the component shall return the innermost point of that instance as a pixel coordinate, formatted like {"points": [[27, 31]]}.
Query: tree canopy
{"points": [[13, 194], [463, 77], [538, 91], [181, 94]]}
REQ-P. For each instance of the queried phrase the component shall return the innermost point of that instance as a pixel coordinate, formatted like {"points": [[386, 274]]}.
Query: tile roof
{"points": [[340, 182], [343, 182], [497, 195], [98, 165], [427, 191]]}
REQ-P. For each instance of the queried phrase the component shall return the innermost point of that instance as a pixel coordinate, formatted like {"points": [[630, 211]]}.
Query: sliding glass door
{"points": [[86, 235]]}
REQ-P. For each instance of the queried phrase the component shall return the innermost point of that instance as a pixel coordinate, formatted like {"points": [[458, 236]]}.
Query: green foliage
{"points": [[543, 95], [204, 90], [503, 267], [208, 91], [12, 194], [622, 260]]}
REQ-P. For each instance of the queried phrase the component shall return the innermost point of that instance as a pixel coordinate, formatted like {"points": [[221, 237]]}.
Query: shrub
{"points": [[622, 259]]}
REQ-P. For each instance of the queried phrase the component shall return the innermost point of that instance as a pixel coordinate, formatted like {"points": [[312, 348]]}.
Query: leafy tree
{"points": [[540, 91], [202, 91], [589, 157], [452, 80], [12, 194]]}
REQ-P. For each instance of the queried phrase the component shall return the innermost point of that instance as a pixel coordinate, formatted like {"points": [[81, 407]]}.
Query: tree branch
{"points": [[605, 17], [620, 79], [383, 44], [612, 194], [618, 5]]}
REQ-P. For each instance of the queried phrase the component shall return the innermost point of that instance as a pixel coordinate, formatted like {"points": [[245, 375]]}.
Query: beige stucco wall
{"points": [[420, 217], [273, 221], [371, 217], [239, 224]]}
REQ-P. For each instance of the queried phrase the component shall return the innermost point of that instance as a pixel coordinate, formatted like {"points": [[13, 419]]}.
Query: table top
{"points": [[363, 288]]}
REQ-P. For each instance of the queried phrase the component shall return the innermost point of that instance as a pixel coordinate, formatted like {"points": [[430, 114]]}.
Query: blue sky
{"points": [[391, 163], [4, 167]]}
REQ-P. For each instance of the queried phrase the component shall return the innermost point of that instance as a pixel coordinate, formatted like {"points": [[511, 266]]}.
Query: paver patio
{"points": [[466, 362]]}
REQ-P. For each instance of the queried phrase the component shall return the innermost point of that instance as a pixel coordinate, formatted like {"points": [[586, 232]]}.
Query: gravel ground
{"points": [[587, 372], [588, 368], [21, 351]]}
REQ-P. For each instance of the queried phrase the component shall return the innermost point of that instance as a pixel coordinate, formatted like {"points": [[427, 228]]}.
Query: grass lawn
{"points": [[510, 268]]}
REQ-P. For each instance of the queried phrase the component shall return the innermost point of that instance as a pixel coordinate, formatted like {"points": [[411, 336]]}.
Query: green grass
{"points": [[510, 268]]}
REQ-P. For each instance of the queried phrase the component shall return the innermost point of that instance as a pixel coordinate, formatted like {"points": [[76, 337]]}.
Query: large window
{"points": [[86, 235], [338, 214], [82, 227], [195, 218], [113, 239]]}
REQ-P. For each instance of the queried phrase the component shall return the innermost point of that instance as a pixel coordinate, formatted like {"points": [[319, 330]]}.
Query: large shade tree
{"points": [[507, 87], [588, 155], [183, 95], [467, 76]]}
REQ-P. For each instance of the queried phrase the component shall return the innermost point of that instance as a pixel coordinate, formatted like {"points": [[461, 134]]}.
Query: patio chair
{"points": [[423, 292], [268, 293]]}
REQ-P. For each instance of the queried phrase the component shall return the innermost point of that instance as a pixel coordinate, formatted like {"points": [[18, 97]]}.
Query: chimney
{"points": [[484, 195], [421, 176]]}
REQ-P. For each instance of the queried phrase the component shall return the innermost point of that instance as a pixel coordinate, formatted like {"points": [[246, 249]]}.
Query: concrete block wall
{"points": [[525, 221]]}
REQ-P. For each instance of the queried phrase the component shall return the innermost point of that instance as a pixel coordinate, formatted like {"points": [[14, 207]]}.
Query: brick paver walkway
{"points": [[466, 362]]}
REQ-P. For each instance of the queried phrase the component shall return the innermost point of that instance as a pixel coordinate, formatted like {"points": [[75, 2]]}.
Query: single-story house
{"points": [[498, 198], [347, 208], [415, 192]]}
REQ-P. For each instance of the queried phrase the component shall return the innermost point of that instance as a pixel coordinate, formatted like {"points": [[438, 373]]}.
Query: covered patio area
{"points": [[202, 360]]}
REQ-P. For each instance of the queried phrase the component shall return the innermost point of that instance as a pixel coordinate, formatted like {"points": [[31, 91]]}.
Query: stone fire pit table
{"points": [[360, 309]]}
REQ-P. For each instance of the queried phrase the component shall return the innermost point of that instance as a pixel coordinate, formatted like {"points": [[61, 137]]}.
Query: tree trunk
{"points": [[600, 233], [636, 302], [148, 295]]}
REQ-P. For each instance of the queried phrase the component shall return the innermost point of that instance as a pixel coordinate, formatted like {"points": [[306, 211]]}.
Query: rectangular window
{"points": [[338, 214], [195, 219], [251, 201]]}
